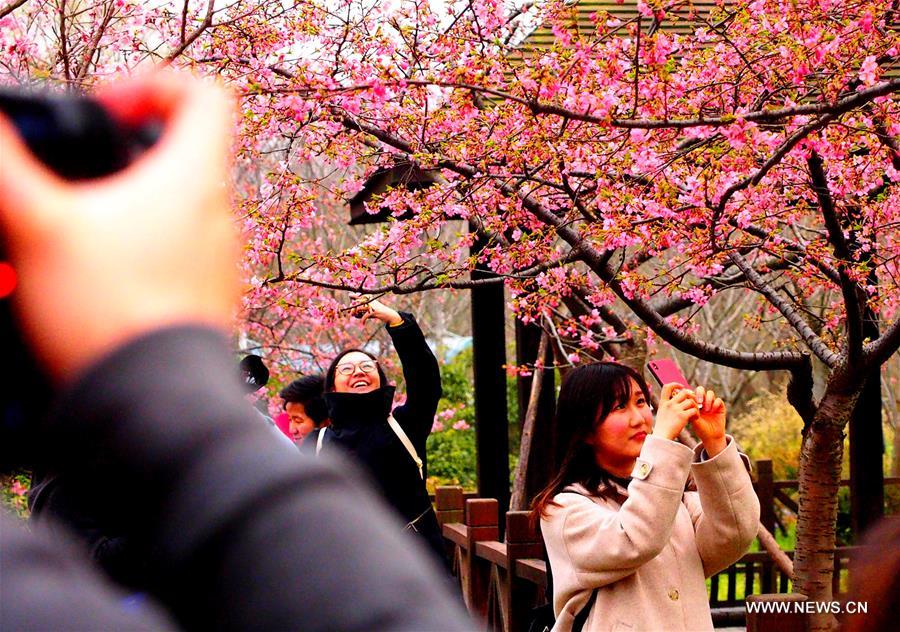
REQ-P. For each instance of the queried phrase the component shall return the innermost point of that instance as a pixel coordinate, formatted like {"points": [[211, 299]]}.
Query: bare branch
{"points": [[834, 109], [816, 344], [63, 40], [185, 43], [849, 289], [518, 501], [184, 16], [12, 6], [91, 50]]}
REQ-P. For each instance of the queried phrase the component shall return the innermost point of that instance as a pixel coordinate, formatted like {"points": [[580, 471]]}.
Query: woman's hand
{"points": [[709, 425], [377, 309], [677, 406]]}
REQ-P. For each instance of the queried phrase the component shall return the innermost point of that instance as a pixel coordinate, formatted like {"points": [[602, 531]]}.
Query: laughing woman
{"points": [[388, 441], [629, 548]]}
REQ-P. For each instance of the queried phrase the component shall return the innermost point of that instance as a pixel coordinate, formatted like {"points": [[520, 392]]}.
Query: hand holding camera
{"points": [[102, 260]]}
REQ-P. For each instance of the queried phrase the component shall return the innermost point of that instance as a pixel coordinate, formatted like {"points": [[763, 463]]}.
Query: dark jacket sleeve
{"points": [[422, 377], [240, 530], [81, 509], [48, 584]]}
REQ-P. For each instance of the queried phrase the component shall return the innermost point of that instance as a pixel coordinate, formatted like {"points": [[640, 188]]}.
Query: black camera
{"points": [[75, 137]]}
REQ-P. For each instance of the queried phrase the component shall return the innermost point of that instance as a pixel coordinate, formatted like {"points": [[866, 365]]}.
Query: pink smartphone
{"points": [[665, 371]]}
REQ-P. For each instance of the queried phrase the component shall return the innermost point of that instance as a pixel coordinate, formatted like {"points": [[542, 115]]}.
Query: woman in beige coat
{"points": [[617, 519]]}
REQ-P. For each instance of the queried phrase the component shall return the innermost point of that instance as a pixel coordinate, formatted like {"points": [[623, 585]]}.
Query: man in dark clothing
{"points": [[236, 529], [305, 406]]}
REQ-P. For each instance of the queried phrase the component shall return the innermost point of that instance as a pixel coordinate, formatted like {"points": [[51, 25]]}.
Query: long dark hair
{"points": [[332, 369], [587, 396]]}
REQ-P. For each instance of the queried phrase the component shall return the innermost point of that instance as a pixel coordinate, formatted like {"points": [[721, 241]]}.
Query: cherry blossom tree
{"points": [[623, 181], [637, 169]]}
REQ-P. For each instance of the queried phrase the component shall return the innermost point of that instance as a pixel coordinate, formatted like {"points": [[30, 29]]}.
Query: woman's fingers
{"points": [[708, 400], [668, 390], [718, 405]]}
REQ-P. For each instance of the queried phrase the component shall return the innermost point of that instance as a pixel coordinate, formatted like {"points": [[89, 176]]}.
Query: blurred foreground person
{"points": [[126, 288], [875, 580]]}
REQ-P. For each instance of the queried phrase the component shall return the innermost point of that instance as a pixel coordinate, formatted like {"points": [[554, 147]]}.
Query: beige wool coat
{"points": [[649, 548]]}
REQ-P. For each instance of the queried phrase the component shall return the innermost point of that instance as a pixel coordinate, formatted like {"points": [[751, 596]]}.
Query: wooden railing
{"points": [[502, 581]]}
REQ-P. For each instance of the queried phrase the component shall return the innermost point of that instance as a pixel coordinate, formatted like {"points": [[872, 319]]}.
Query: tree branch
{"points": [[756, 178], [424, 285], [888, 141], [823, 267], [599, 264], [816, 344], [849, 289], [517, 503], [63, 41], [837, 108], [881, 349], [12, 6], [800, 393], [185, 43], [673, 305], [95, 43]]}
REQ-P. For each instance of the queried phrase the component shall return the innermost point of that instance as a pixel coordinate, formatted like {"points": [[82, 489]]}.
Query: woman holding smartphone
{"points": [[627, 544]]}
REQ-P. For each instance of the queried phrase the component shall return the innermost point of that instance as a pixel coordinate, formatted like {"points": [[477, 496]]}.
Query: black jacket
{"points": [[359, 427], [238, 530], [359, 422]]}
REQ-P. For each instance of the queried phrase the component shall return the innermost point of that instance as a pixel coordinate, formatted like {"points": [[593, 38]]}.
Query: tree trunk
{"points": [[820, 477], [519, 501]]}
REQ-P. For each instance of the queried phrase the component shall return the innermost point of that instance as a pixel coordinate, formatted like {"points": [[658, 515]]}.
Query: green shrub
{"points": [[451, 458], [451, 445], [14, 493], [770, 429]]}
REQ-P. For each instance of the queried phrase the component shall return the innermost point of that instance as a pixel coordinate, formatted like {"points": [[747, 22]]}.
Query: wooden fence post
{"points": [[765, 491], [481, 521], [448, 504], [449, 507], [781, 617], [522, 541]]}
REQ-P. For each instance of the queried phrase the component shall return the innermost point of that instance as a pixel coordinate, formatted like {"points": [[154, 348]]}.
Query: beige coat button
{"points": [[673, 595], [645, 469]]}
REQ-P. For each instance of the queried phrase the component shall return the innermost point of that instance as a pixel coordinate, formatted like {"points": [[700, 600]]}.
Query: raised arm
{"points": [[422, 377], [725, 513], [724, 510], [420, 369]]}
